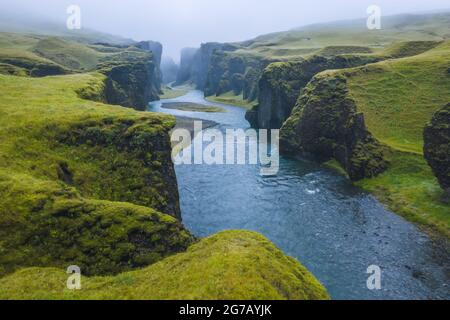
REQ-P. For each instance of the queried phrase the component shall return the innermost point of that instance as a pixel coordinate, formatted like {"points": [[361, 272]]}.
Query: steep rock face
{"points": [[201, 63], [231, 72], [437, 147], [156, 49], [101, 191], [186, 62], [325, 124], [54, 226], [282, 83], [141, 169], [169, 70], [132, 79]]}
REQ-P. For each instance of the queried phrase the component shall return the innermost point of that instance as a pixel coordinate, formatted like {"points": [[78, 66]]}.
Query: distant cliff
{"points": [[169, 70], [217, 68], [325, 125], [156, 49]]}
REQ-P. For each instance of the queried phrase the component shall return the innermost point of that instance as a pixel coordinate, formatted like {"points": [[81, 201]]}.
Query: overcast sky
{"points": [[187, 23]]}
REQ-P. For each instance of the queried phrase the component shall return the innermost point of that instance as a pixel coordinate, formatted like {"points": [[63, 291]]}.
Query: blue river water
{"points": [[313, 214]]}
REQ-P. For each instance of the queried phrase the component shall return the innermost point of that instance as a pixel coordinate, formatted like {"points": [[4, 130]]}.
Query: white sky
{"points": [[187, 23]]}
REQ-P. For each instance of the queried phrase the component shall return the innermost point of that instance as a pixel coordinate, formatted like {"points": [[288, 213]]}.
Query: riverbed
{"points": [[313, 214]]}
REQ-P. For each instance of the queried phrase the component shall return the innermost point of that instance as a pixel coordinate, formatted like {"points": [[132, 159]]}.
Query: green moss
{"points": [[10, 69], [410, 189], [230, 265], [60, 155], [46, 223], [72, 55], [399, 97], [325, 125]]}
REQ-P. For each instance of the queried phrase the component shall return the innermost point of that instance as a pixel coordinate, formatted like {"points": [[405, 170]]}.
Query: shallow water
{"points": [[315, 215]]}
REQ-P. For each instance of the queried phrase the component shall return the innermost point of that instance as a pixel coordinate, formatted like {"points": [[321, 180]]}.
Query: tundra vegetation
{"points": [[87, 183]]}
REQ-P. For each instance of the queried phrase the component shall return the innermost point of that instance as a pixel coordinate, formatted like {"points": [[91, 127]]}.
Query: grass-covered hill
{"points": [[133, 71], [368, 116], [233, 265], [83, 182], [349, 36]]}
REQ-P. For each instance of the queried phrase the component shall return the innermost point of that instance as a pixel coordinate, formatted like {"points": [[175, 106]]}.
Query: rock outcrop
{"points": [[437, 147], [282, 83], [156, 49], [98, 191], [186, 62], [239, 74], [325, 125], [133, 79]]}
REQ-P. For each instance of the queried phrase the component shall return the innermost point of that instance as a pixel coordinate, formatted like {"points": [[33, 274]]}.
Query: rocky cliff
{"points": [[195, 64], [282, 83], [95, 185], [186, 62], [325, 124], [229, 71], [437, 147], [169, 70], [156, 49], [133, 79]]}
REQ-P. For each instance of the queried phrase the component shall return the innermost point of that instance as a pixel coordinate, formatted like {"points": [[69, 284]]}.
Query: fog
{"points": [[187, 23]]}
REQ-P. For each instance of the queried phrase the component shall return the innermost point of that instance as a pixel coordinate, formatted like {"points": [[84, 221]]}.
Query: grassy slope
{"points": [[230, 265], [398, 97], [20, 47], [312, 39], [71, 55]]}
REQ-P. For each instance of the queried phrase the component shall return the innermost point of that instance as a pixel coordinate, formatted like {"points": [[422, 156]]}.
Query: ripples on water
{"points": [[315, 215]]}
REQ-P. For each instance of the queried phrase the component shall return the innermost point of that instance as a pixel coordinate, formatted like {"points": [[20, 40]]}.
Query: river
{"points": [[313, 214]]}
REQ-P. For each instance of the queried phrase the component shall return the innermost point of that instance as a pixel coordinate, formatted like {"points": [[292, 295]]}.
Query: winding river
{"points": [[315, 215]]}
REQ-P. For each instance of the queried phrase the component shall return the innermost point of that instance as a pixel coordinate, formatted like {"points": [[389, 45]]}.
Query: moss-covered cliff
{"points": [[82, 182], [230, 265], [437, 147], [231, 72], [93, 185], [368, 116], [134, 76], [325, 124], [282, 83]]}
